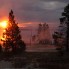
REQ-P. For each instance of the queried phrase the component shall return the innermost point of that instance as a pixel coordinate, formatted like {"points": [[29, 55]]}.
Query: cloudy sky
{"points": [[33, 10]]}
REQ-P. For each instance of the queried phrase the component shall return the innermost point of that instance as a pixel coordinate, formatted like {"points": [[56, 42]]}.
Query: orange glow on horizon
{"points": [[25, 24]]}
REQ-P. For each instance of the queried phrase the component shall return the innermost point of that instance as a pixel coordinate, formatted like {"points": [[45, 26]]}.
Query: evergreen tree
{"points": [[12, 36], [65, 20], [0, 48]]}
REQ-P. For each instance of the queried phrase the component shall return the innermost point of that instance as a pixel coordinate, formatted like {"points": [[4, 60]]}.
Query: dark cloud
{"points": [[34, 10], [56, 0]]}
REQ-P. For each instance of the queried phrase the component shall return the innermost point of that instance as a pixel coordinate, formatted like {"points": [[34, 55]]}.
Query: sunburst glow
{"points": [[3, 24]]}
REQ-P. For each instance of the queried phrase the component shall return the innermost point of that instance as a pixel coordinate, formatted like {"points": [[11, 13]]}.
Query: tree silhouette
{"points": [[0, 48], [12, 36], [63, 32], [65, 20]]}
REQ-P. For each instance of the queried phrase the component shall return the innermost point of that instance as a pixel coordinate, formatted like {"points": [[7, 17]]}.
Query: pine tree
{"points": [[65, 20], [12, 36]]}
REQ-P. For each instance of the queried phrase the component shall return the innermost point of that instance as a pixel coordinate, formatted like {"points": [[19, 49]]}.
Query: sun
{"points": [[3, 24]]}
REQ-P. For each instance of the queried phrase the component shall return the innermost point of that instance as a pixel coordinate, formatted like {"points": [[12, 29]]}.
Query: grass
{"points": [[49, 60], [43, 59]]}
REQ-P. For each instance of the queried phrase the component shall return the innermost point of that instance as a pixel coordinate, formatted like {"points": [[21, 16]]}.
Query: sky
{"points": [[33, 10]]}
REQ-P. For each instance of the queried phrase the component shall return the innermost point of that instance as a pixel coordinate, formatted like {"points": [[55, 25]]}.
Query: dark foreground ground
{"points": [[35, 60]]}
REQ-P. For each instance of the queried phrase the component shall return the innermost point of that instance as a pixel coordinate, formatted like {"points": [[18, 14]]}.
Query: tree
{"points": [[12, 36], [65, 20], [0, 48]]}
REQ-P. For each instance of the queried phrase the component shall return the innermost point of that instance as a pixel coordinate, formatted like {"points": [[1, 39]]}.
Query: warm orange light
{"points": [[3, 24], [2, 39]]}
